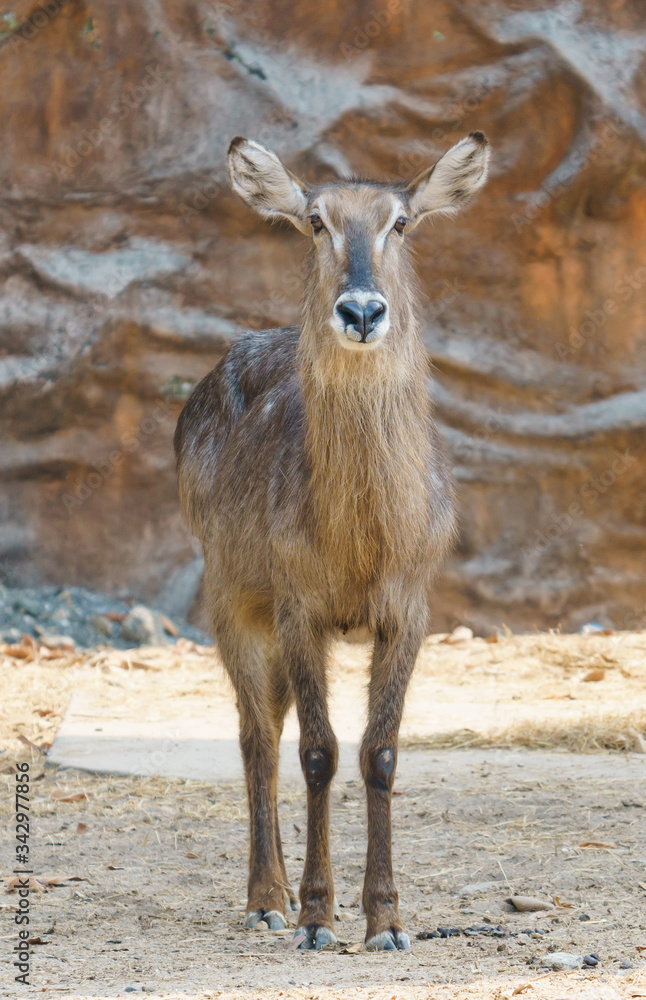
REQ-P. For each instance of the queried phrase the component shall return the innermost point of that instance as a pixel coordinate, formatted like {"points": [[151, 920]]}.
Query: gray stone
{"points": [[563, 960], [29, 605], [101, 624], [140, 625], [475, 887], [82, 615], [61, 615]]}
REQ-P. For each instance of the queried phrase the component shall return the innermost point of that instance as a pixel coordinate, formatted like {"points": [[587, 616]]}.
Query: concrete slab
{"points": [[202, 744]]}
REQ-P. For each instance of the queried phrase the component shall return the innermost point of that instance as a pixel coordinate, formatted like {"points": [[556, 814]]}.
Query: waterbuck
{"points": [[311, 470]]}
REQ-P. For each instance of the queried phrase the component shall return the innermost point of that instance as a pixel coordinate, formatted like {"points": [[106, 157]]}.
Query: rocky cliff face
{"points": [[127, 265]]}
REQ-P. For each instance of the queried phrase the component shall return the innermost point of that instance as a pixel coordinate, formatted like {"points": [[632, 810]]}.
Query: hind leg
{"points": [[246, 658], [281, 697]]}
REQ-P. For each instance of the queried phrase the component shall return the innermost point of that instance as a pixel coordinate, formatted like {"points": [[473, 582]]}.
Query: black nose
{"points": [[363, 318]]}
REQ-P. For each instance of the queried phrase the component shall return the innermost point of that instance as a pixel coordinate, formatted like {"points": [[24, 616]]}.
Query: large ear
{"points": [[261, 180], [454, 179]]}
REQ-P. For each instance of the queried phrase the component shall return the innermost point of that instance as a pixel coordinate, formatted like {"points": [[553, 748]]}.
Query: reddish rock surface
{"points": [[126, 266]]}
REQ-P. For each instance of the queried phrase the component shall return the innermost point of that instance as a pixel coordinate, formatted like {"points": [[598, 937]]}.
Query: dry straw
{"points": [[587, 734]]}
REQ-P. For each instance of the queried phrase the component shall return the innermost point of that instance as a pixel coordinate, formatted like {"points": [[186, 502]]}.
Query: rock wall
{"points": [[126, 265]]}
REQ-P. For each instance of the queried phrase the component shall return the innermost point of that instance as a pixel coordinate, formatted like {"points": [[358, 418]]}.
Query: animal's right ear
{"points": [[261, 180]]}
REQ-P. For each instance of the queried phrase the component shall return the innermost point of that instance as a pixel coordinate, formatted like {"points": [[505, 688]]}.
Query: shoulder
{"points": [[256, 362], [260, 359]]}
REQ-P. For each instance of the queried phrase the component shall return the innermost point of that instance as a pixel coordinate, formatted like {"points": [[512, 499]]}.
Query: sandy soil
{"points": [[143, 879]]}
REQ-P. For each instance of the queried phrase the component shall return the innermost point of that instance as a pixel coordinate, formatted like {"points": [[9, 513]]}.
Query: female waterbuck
{"points": [[310, 468]]}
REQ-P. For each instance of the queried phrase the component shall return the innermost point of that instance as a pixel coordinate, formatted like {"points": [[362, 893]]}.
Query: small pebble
{"points": [[28, 605], [132, 989], [101, 624], [461, 633], [528, 904], [139, 625], [625, 964], [591, 627], [584, 916], [51, 641], [590, 960]]}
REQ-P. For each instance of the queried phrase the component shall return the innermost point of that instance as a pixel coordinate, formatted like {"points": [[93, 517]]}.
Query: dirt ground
{"points": [[141, 880]]}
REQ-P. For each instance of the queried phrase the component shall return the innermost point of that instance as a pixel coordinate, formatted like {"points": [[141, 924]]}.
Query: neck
{"points": [[368, 445]]}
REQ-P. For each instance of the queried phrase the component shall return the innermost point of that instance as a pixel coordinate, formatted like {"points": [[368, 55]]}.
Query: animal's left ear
{"points": [[450, 184], [262, 181]]}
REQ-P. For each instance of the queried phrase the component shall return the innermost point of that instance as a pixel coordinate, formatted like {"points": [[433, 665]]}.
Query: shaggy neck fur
{"points": [[368, 422]]}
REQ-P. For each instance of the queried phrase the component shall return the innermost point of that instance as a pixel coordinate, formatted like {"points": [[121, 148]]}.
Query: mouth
{"points": [[360, 319]]}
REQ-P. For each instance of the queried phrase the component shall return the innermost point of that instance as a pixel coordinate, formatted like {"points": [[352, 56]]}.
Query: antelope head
{"points": [[360, 284]]}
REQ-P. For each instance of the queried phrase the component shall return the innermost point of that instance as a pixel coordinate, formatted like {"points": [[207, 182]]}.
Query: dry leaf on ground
{"points": [[65, 796], [42, 883]]}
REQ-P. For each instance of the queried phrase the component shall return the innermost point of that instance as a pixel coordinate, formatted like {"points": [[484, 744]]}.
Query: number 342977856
{"points": [[22, 812]]}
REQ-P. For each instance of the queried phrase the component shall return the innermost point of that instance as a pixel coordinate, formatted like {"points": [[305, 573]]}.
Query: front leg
{"points": [[304, 650], [394, 657]]}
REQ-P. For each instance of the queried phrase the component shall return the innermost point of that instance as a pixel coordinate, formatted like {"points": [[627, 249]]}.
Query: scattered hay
{"points": [[587, 734], [539, 691]]}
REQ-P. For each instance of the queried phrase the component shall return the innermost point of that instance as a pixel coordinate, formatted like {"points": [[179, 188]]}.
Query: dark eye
{"points": [[317, 223], [400, 225]]}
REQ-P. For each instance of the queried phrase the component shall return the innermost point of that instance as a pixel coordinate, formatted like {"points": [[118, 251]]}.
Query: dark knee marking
{"points": [[381, 769], [319, 767]]}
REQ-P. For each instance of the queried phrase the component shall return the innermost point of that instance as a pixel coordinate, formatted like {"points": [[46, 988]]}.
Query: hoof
{"points": [[391, 940], [274, 920], [316, 937]]}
